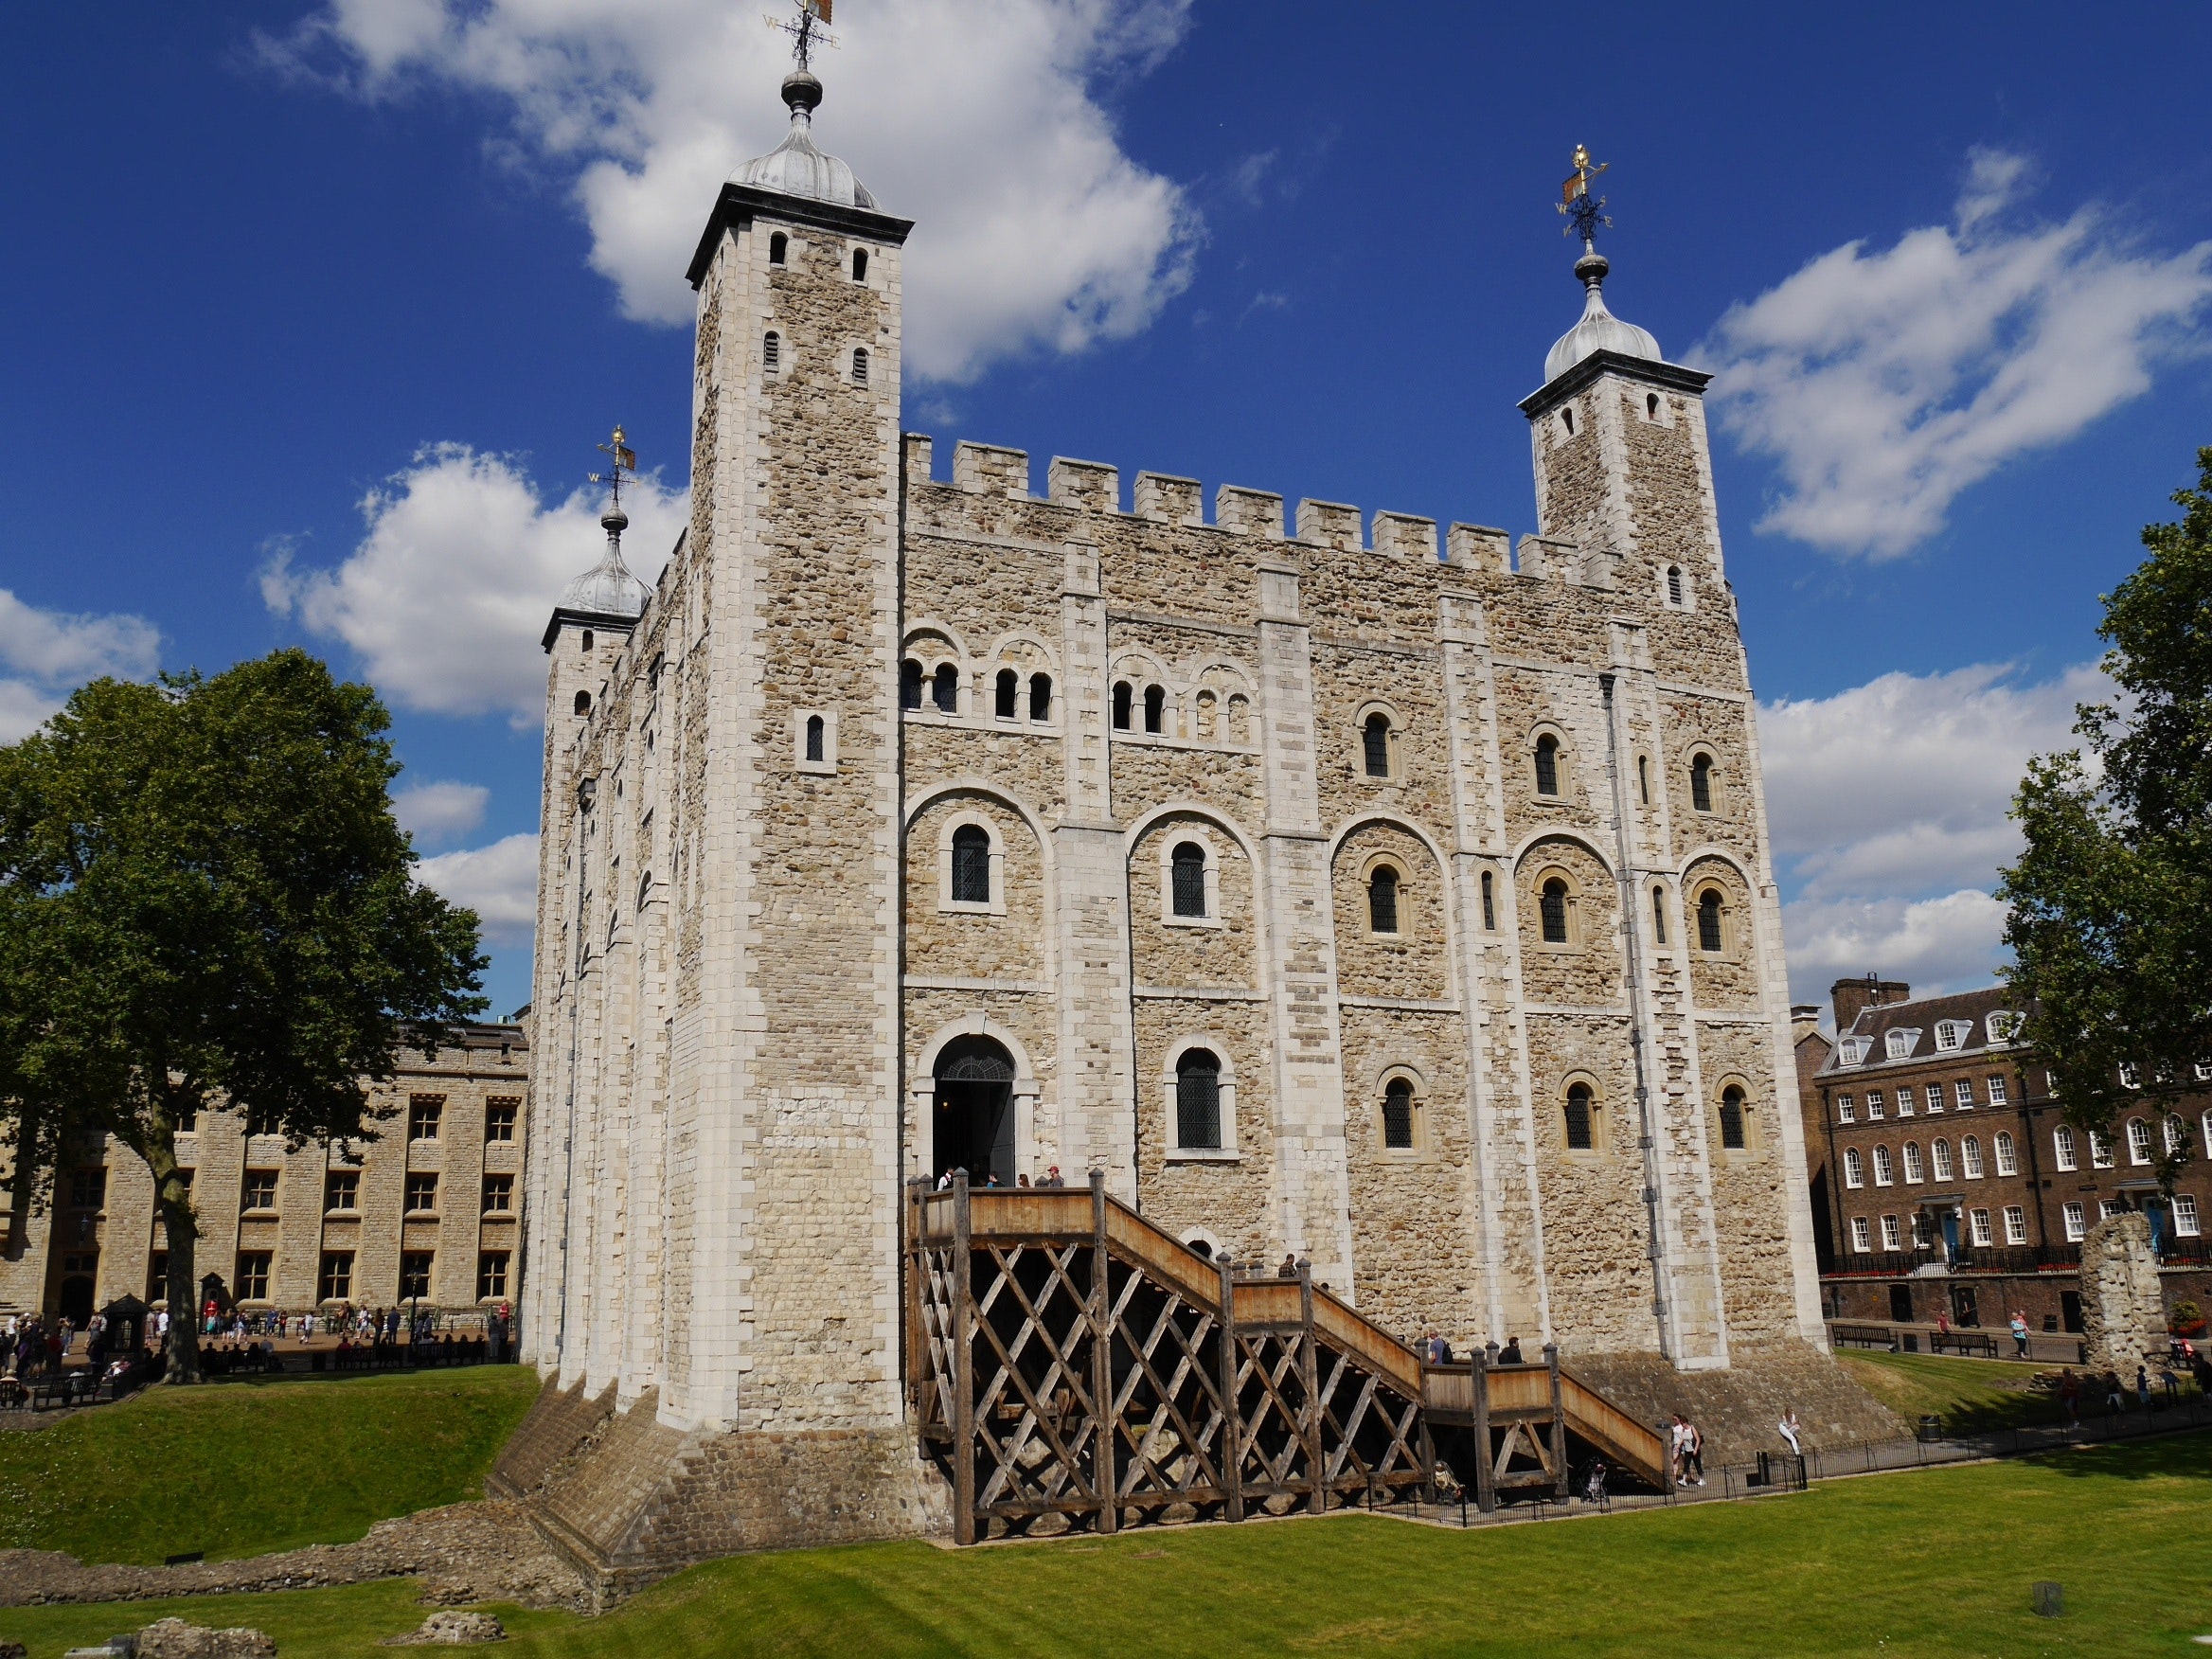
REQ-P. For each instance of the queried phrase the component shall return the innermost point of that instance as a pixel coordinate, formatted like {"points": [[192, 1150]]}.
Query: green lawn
{"points": [[238, 1468], [1971, 1396], [1932, 1562]]}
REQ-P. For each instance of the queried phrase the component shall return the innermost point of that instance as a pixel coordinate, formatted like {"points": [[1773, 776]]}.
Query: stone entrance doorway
{"points": [[974, 1123]]}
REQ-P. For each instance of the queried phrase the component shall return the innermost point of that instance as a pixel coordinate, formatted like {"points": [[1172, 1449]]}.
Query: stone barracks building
{"points": [[1396, 898]]}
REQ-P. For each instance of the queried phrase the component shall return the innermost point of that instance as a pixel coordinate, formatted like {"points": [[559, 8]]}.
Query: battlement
{"points": [[1095, 486]]}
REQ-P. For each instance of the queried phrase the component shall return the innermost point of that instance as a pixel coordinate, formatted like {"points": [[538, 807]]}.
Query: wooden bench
{"points": [[1873, 1336], [1965, 1341]]}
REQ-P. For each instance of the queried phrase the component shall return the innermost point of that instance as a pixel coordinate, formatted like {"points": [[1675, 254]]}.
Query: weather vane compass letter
{"points": [[806, 32], [1584, 212], [624, 460]]}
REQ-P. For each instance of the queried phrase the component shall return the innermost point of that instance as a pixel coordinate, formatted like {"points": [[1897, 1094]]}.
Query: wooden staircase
{"points": [[1064, 1357]]}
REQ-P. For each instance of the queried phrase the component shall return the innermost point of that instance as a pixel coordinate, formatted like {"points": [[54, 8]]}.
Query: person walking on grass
{"points": [[2020, 1333], [1696, 1455], [2070, 1397]]}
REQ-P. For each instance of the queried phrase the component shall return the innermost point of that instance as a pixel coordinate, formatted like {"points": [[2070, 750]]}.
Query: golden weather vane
{"points": [[625, 461], [805, 30], [1585, 214]]}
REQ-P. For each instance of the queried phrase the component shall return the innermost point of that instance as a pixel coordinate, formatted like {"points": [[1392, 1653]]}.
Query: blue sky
{"points": [[312, 313]]}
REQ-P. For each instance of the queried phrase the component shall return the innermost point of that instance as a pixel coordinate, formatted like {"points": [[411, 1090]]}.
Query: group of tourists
{"points": [[1686, 1451], [1050, 1178], [2118, 1397]]}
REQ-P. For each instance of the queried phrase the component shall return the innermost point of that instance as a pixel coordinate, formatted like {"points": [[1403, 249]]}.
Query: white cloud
{"points": [[447, 596], [1888, 806], [440, 811], [973, 118], [51, 651], [1883, 383], [499, 883]]}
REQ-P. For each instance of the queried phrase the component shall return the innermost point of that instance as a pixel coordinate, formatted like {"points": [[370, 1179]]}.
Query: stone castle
{"points": [[1399, 901]]}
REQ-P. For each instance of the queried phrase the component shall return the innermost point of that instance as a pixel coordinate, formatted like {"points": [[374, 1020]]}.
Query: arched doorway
{"points": [[75, 1298], [974, 1123]]}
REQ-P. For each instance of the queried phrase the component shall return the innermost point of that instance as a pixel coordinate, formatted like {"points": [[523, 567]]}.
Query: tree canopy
{"points": [[2111, 919], [206, 904]]}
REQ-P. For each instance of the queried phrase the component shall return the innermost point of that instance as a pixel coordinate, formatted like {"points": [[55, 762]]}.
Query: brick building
{"points": [[431, 1207], [1396, 899], [1943, 1179]]}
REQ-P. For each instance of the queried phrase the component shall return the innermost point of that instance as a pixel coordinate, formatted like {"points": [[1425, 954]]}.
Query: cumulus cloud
{"points": [[446, 596], [438, 811], [1888, 806], [976, 118], [499, 883], [1883, 383], [47, 652]]}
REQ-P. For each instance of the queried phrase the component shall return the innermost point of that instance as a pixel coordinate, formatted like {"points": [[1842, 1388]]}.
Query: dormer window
{"points": [[1949, 1034], [2129, 1076], [1902, 1042], [2001, 1025], [1851, 1051]]}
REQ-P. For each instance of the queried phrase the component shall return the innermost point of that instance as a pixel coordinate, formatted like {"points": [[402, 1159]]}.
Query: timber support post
{"points": [[1486, 1480], [1309, 1387], [1102, 1406], [916, 1326], [1559, 1422], [963, 1369], [1232, 1418]]}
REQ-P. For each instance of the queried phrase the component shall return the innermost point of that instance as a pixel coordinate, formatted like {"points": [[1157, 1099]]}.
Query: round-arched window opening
{"points": [[1580, 1114], [860, 265], [1040, 696], [1552, 902], [587, 639], [1700, 782], [1398, 1116], [1547, 765], [1709, 919], [1198, 1100], [860, 366], [1658, 915], [770, 352], [779, 245], [1489, 906], [817, 731], [910, 678], [1375, 742], [1010, 694], [1732, 1111], [1567, 420], [970, 865], [1652, 405], [1123, 697], [583, 702], [1382, 900], [1155, 707], [946, 688], [1199, 1247], [1674, 584], [1187, 868]]}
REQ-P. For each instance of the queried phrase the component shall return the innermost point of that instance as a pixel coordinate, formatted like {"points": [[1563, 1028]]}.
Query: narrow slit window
{"points": [[1198, 1101], [1553, 903], [1547, 765], [970, 865], [1155, 707], [1010, 693], [1580, 1135], [770, 352], [816, 729], [1040, 696], [1701, 783], [1644, 778], [779, 245], [1490, 907], [946, 689], [1652, 405], [860, 265], [1375, 740], [1382, 900], [1658, 915], [1674, 584], [1398, 1116], [1123, 696], [860, 366], [1187, 876]]}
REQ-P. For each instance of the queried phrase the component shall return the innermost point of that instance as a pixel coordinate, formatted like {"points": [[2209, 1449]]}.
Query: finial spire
{"points": [[806, 33], [1585, 213], [624, 462]]}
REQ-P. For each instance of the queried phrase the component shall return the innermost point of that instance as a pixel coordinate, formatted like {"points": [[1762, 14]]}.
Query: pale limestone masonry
{"points": [[755, 958], [2123, 1310]]}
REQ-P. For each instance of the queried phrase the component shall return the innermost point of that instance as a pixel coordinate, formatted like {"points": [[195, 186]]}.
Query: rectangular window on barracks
{"points": [[342, 1190], [498, 1195], [499, 1118], [253, 1276], [491, 1274], [88, 1188], [421, 1193], [335, 1282], [258, 1190], [415, 1272], [424, 1115]]}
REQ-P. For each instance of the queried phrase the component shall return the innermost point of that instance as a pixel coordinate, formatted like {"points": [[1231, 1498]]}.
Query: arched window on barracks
{"points": [[1709, 919], [1580, 1132], [1732, 1118], [1382, 900], [910, 677], [1375, 741], [1198, 1100], [1155, 709], [1187, 868], [1547, 765], [946, 689], [1122, 696], [816, 732], [1553, 903], [971, 866], [1398, 1116], [1040, 696], [1010, 694], [1489, 906], [1701, 783]]}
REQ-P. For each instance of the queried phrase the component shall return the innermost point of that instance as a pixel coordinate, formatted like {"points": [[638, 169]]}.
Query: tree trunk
{"points": [[174, 1199]]}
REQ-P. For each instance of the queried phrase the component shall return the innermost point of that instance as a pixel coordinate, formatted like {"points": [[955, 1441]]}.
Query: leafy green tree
{"points": [[2111, 917], [206, 904]]}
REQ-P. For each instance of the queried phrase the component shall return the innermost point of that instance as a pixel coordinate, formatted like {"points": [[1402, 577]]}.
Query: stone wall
{"points": [[2123, 1308]]}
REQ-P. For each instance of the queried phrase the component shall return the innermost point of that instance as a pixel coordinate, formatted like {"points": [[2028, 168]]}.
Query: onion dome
{"points": [[796, 168], [608, 589], [1599, 329]]}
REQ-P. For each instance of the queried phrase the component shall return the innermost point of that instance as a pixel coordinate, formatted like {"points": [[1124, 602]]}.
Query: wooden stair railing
{"points": [[1067, 1358]]}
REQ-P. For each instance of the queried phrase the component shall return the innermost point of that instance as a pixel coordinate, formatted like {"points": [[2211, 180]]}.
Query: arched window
{"points": [[1010, 694], [1914, 1169], [1885, 1173], [778, 245], [2138, 1141], [1732, 1118], [1040, 696], [1658, 915], [1553, 903], [583, 702], [860, 265], [1382, 900], [1970, 1157], [1581, 1136], [1652, 405], [587, 642], [1644, 778], [1186, 865], [2177, 1134], [2063, 1147], [1375, 741], [816, 732], [1567, 420], [1939, 1160], [1155, 707], [1198, 1100], [1854, 1170], [1121, 702], [947, 689], [1709, 919], [1674, 584], [770, 352], [1490, 907], [1547, 765], [1700, 782], [2008, 1156], [860, 366], [1240, 718], [1398, 1116], [910, 677], [970, 865]]}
